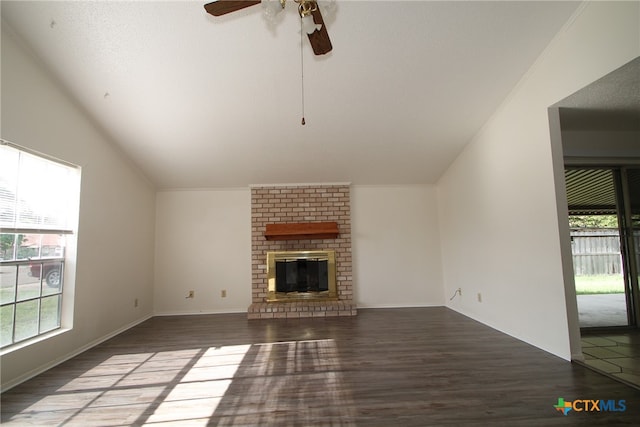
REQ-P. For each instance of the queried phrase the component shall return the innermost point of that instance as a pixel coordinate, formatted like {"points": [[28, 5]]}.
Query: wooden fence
{"points": [[596, 252]]}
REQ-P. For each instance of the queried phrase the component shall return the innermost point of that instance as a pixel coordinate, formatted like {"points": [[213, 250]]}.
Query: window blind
{"points": [[36, 194]]}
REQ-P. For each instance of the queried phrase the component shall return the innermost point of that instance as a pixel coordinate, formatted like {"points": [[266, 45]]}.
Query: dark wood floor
{"points": [[408, 367]]}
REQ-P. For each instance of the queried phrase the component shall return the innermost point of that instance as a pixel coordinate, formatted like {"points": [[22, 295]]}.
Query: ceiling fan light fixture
{"points": [[316, 29], [273, 7], [306, 7], [309, 25]]}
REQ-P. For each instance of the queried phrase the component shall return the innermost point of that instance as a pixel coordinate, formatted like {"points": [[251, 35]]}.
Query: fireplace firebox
{"points": [[301, 275]]}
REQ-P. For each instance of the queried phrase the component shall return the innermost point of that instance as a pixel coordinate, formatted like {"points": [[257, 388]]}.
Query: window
{"points": [[38, 215]]}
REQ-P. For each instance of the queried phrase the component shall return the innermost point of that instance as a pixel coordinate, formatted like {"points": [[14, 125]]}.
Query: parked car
{"points": [[51, 272]]}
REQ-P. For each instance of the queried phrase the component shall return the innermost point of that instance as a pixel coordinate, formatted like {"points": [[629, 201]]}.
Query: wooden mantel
{"points": [[301, 230]]}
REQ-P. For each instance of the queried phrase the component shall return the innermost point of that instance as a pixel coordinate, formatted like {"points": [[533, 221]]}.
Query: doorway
{"points": [[604, 221], [630, 180], [597, 129]]}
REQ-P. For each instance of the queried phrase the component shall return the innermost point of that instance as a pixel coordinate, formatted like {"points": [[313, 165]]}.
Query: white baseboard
{"points": [[362, 305], [195, 313]]}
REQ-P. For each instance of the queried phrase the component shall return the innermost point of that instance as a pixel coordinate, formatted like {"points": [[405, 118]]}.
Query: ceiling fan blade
{"points": [[319, 39], [222, 7]]}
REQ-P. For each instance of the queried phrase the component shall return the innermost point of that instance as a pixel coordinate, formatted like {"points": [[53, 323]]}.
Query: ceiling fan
{"points": [[307, 9]]}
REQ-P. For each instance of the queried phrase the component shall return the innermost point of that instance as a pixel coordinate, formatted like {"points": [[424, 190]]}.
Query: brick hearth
{"points": [[301, 203]]}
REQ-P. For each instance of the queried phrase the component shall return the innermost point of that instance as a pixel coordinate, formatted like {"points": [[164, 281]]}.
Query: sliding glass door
{"points": [[604, 218], [630, 179]]}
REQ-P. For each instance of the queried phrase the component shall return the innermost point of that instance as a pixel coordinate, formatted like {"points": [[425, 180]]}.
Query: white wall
{"points": [[497, 203], [115, 238], [203, 243], [396, 246]]}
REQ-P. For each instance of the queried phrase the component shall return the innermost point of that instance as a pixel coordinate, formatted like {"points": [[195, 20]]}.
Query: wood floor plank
{"points": [[410, 367]]}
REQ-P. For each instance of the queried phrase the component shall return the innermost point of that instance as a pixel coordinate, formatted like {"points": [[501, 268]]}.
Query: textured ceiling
{"points": [[198, 101], [610, 103]]}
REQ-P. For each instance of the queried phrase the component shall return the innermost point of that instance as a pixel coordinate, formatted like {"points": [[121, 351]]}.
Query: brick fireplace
{"points": [[312, 203]]}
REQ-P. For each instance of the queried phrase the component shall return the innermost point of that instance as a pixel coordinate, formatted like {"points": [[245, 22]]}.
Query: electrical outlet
{"points": [[479, 297], [135, 302], [223, 293]]}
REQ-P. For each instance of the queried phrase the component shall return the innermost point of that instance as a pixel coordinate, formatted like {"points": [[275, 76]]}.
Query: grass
{"points": [[27, 312], [27, 319], [601, 284]]}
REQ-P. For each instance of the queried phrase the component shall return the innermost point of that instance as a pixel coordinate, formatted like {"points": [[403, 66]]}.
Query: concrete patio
{"points": [[602, 310]]}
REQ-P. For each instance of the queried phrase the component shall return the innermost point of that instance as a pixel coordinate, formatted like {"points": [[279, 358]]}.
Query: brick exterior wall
{"points": [[301, 203]]}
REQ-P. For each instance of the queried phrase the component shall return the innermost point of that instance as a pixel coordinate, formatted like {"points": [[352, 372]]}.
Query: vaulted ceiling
{"points": [[198, 101]]}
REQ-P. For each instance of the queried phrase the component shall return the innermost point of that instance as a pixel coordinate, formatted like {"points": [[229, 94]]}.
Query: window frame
{"points": [[19, 265]]}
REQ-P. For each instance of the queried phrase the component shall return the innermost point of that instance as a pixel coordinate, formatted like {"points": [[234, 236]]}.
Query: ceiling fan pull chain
{"points": [[302, 69]]}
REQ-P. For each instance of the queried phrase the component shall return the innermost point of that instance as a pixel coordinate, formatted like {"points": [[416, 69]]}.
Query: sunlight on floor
{"points": [[162, 387], [195, 398], [277, 381], [296, 382]]}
